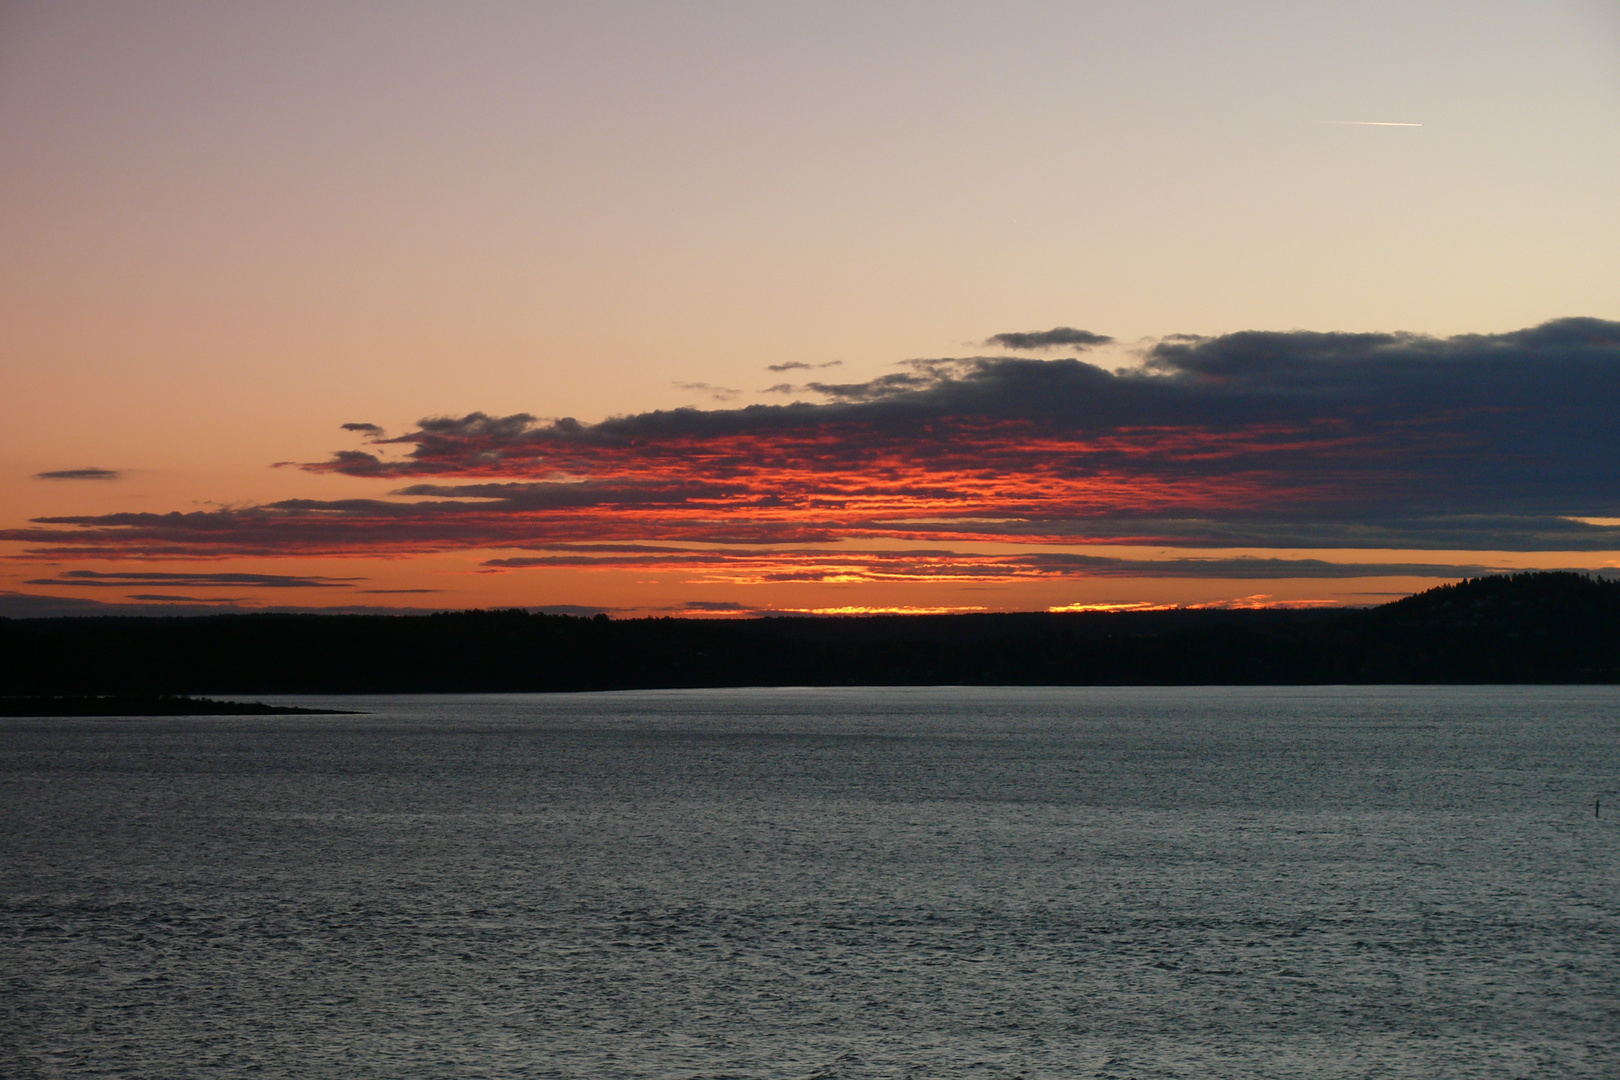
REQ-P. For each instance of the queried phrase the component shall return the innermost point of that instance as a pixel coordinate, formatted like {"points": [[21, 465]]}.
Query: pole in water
{"points": [[1597, 807]]}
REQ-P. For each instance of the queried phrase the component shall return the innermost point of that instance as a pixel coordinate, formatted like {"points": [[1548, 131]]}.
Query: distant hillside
{"points": [[1542, 627], [1533, 627]]}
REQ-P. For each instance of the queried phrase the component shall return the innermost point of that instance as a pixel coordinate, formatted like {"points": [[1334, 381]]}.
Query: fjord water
{"points": [[1385, 881]]}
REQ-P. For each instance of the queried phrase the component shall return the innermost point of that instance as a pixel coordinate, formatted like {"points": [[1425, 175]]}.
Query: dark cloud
{"points": [[1466, 532], [125, 579], [1057, 337], [80, 474], [374, 527], [799, 365], [1515, 420], [1254, 568], [171, 597], [18, 605], [718, 393], [932, 564], [364, 429], [1297, 440]]}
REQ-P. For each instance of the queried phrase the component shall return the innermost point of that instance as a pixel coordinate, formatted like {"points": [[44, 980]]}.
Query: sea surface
{"points": [[941, 883]]}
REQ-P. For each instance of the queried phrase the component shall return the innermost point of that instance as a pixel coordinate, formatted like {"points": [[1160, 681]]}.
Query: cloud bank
{"points": [[1473, 442], [845, 566], [128, 579]]}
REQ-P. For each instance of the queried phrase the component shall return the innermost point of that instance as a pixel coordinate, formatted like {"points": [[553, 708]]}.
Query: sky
{"points": [[726, 308]]}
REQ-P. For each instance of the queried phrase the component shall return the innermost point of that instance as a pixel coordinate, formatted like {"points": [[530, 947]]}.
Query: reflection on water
{"points": [[821, 883]]}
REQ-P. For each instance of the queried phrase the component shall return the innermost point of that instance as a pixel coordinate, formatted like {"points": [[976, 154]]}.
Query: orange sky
{"points": [[229, 231]]}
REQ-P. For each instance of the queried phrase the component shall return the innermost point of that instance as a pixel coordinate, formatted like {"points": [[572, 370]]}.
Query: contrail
{"points": [[1374, 123]]}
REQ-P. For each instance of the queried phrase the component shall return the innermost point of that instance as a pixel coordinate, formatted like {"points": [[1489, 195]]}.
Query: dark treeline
{"points": [[1545, 627]]}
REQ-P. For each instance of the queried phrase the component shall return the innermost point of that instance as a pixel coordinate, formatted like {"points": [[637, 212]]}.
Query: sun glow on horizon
{"points": [[893, 609]]}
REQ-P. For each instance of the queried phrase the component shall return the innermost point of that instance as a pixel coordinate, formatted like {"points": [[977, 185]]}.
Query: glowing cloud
{"points": [[1483, 442]]}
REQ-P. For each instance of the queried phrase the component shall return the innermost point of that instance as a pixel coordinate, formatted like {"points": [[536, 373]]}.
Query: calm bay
{"points": [[934, 882]]}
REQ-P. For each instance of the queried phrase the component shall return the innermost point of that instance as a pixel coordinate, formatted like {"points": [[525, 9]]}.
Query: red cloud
{"points": [[1249, 439]]}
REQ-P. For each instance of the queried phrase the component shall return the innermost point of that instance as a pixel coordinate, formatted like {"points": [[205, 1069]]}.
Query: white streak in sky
{"points": [[1374, 123]]}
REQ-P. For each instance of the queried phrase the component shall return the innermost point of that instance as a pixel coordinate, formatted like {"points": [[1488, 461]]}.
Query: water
{"points": [[821, 883]]}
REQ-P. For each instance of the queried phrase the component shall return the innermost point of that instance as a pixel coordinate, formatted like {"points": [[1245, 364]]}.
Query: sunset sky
{"points": [[714, 308]]}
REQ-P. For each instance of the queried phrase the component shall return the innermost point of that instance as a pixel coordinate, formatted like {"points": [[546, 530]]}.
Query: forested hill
{"points": [[1542, 627], [1538, 627]]}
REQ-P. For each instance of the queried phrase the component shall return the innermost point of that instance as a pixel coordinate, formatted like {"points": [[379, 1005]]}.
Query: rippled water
{"points": [[821, 883]]}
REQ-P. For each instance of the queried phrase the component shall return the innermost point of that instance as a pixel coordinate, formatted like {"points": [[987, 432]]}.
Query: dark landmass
{"points": [[146, 705], [1522, 628]]}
